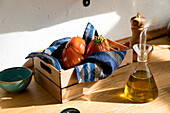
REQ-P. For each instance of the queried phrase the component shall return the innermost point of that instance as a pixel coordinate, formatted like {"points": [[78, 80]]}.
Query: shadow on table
{"points": [[29, 97], [111, 95]]}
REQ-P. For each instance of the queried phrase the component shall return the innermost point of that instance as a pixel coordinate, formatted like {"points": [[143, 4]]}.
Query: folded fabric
{"points": [[97, 66], [57, 43], [47, 54], [89, 72], [89, 33], [47, 58]]}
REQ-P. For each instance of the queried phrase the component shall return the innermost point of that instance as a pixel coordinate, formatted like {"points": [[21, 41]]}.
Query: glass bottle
{"points": [[141, 86]]}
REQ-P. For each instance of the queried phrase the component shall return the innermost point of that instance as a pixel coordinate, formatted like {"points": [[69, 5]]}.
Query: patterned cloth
{"points": [[97, 66], [47, 58], [89, 33], [56, 44]]}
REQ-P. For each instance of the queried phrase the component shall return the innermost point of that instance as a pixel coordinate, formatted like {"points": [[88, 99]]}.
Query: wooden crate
{"points": [[63, 84]]}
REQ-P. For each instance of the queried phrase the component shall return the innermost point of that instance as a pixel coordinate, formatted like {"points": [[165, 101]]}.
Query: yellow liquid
{"points": [[141, 87]]}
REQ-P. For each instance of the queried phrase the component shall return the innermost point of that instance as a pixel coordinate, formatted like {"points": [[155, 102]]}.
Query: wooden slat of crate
{"points": [[48, 85], [44, 68], [61, 94]]}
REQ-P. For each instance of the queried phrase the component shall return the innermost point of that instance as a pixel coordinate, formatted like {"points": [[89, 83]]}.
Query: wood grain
{"points": [[107, 100]]}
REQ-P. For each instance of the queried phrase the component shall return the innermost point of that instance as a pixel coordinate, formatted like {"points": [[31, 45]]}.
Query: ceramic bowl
{"points": [[16, 79]]}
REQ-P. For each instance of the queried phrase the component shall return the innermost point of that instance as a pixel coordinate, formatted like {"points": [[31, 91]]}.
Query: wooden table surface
{"points": [[108, 100]]}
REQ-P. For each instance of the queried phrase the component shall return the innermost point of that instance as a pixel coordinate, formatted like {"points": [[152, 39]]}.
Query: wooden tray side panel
{"points": [[117, 45], [61, 94], [48, 70], [63, 78], [48, 85], [68, 77]]}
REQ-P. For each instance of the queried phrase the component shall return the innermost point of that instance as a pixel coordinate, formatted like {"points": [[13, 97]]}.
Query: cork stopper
{"points": [[137, 21]]}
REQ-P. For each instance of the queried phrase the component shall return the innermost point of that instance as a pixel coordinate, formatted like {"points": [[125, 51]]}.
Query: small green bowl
{"points": [[16, 79]]}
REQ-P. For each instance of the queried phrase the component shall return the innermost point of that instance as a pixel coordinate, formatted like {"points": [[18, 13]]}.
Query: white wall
{"points": [[32, 25]]}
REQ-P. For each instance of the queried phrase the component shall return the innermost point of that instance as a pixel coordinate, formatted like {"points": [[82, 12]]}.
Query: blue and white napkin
{"points": [[89, 33]]}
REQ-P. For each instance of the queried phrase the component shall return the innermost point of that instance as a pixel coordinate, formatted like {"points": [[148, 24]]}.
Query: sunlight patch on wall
{"points": [[103, 23]]}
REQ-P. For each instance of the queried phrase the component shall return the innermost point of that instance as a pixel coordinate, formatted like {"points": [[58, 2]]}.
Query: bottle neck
{"points": [[142, 56], [141, 66]]}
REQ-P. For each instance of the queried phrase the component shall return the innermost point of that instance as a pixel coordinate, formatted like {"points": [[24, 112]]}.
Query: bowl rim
{"points": [[18, 80]]}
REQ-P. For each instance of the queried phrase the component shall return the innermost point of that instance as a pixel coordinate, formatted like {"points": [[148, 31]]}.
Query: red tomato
{"points": [[73, 53], [71, 57], [78, 43], [98, 44]]}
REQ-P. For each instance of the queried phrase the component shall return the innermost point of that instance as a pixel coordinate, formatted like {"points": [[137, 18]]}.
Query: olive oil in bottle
{"points": [[141, 87]]}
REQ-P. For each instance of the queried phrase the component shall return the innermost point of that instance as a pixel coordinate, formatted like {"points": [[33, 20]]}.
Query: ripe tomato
{"points": [[71, 57], [98, 44], [78, 43], [73, 53]]}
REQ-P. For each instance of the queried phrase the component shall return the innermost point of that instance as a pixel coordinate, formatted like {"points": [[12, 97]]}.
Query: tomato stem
{"points": [[69, 46], [98, 39]]}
